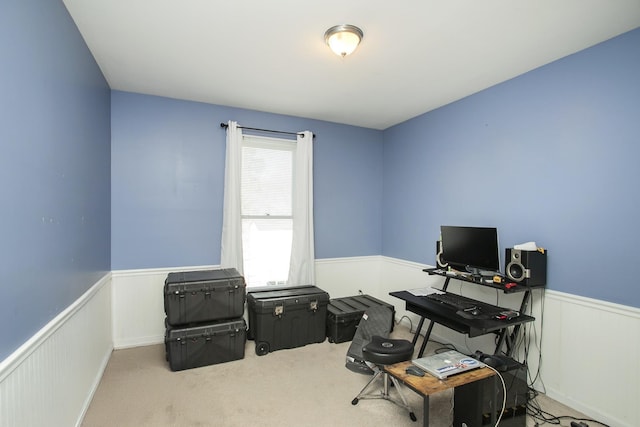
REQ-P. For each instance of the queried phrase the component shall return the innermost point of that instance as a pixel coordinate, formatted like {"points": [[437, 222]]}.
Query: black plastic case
{"points": [[287, 317], [199, 345], [344, 314], [479, 403], [204, 296]]}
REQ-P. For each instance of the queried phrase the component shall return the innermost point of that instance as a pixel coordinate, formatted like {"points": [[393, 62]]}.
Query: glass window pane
{"points": [[266, 251], [266, 181]]}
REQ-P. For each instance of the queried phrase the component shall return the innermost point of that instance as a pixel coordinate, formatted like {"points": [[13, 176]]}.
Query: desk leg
{"points": [[426, 338], [418, 329], [501, 339], [425, 411], [507, 340]]}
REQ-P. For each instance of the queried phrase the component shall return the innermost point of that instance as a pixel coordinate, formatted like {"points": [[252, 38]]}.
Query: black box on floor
{"points": [[204, 296], [344, 314], [478, 404], [197, 345], [287, 317]]}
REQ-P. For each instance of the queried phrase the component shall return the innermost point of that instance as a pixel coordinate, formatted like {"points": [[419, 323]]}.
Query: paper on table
{"points": [[420, 292]]}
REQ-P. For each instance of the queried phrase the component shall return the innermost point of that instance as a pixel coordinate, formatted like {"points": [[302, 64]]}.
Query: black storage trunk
{"points": [[205, 344], [344, 314], [287, 318], [204, 296]]}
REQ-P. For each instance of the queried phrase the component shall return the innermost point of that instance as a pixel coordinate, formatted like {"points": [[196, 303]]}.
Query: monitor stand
{"points": [[476, 273]]}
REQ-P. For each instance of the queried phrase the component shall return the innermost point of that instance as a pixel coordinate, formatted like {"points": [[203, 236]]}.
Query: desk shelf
{"points": [[466, 277]]}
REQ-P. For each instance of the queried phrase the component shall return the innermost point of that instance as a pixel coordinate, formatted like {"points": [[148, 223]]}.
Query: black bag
{"points": [[344, 314], [204, 296], [375, 321]]}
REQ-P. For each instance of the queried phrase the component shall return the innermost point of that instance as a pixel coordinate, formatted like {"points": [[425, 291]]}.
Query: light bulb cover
{"points": [[343, 39]]}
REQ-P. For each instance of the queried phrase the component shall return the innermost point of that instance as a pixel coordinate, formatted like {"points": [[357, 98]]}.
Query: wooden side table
{"points": [[428, 385]]}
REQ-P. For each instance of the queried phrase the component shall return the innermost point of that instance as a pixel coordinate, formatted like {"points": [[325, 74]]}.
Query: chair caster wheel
{"points": [[412, 416], [354, 401]]}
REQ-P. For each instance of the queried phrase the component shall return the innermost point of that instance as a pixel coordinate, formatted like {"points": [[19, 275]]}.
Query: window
{"points": [[269, 195], [266, 209]]}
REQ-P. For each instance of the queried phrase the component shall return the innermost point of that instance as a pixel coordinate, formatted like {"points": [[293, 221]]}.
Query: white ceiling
{"points": [[417, 55]]}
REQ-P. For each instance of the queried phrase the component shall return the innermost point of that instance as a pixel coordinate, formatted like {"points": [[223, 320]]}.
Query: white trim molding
{"points": [[51, 378]]}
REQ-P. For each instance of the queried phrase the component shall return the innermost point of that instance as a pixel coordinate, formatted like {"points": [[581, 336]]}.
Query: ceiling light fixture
{"points": [[343, 39]]}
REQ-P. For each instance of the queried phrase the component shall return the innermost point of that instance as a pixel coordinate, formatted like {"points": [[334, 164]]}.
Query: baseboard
{"points": [[51, 378]]}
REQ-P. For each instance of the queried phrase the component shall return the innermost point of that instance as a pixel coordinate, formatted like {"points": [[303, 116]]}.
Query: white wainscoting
{"points": [[590, 358], [138, 305], [342, 277], [50, 380], [576, 335]]}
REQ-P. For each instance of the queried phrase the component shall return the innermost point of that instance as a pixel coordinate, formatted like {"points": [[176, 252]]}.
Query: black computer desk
{"points": [[446, 316]]}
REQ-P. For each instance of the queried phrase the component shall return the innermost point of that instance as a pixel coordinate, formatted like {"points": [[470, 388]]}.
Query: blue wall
{"points": [[550, 156], [168, 173], [54, 168]]}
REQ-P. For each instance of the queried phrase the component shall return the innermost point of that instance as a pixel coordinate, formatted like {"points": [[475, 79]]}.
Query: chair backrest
{"points": [[375, 321]]}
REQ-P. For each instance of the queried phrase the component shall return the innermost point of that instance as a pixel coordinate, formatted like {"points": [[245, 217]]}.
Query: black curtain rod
{"points": [[225, 125]]}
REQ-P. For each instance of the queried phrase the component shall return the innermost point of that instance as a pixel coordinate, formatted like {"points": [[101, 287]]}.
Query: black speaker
{"points": [[479, 403], [440, 263], [526, 267]]}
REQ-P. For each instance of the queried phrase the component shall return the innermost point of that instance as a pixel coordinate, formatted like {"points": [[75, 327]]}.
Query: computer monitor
{"points": [[471, 249]]}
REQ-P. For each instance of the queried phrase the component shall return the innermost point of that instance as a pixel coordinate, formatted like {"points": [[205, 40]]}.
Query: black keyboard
{"points": [[464, 304], [454, 301]]}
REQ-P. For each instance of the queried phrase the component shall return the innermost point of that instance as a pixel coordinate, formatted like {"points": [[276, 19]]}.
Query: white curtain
{"points": [[302, 266], [231, 250]]}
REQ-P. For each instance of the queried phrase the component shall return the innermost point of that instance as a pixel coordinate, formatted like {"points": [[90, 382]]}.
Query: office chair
{"points": [[378, 351]]}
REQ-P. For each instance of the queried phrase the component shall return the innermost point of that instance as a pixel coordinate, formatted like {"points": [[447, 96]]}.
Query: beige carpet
{"points": [[305, 386]]}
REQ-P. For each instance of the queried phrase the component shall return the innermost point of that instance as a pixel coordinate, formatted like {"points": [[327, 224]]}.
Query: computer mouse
{"points": [[414, 370], [468, 314]]}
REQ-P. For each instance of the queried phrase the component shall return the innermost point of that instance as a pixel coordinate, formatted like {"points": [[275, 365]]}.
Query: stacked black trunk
{"points": [[204, 323]]}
